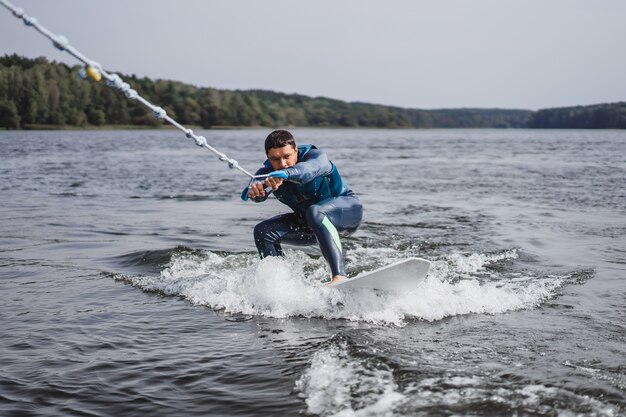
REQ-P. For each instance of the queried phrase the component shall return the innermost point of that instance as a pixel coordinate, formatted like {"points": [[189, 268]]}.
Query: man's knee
{"points": [[315, 214]]}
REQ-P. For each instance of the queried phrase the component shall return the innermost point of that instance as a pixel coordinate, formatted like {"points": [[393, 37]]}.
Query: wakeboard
{"points": [[400, 276]]}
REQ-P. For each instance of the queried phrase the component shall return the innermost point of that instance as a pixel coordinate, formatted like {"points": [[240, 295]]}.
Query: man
{"points": [[323, 205]]}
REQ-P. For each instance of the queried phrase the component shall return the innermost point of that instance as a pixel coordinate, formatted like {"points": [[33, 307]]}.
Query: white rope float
{"points": [[92, 69]]}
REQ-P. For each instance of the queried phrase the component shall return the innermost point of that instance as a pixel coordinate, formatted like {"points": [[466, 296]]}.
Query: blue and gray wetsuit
{"points": [[323, 208]]}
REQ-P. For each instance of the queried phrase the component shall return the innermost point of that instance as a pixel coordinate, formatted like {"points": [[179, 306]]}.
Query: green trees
{"points": [[36, 92], [9, 117], [599, 116]]}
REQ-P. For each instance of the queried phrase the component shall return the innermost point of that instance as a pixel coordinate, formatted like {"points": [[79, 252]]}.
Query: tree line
{"points": [[598, 116], [37, 92]]}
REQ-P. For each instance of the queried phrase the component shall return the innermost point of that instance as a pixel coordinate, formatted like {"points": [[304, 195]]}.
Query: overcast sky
{"points": [[411, 53]]}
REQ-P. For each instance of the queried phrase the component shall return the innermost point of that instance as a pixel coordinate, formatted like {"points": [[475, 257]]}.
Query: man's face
{"points": [[282, 158]]}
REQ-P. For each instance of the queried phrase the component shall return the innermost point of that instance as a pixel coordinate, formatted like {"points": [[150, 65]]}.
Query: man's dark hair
{"points": [[278, 139]]}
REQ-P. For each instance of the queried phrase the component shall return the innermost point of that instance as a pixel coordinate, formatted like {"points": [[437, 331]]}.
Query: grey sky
{"points": [[410, 53]]}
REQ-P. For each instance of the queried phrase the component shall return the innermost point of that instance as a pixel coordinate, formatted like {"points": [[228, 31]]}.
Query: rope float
{"points": [[94, 70]]}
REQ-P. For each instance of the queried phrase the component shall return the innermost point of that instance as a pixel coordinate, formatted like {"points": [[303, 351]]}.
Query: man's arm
{"points": [[316, 163]]}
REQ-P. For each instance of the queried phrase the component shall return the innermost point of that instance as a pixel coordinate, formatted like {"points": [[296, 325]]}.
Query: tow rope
{"points": [[94, 70]]}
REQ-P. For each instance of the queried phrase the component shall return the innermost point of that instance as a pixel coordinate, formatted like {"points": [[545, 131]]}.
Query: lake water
{"points": [[131, 286]]}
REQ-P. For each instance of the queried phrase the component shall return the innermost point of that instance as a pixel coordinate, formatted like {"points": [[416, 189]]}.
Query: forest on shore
{"points": [[37, 93], [597, 116]]}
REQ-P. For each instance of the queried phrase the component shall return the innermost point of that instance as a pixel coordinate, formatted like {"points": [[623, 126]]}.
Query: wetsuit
{"points": [[323, 208]]}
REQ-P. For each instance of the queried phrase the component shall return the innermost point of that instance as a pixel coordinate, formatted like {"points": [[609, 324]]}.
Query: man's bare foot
{"points": [[337, 278]]}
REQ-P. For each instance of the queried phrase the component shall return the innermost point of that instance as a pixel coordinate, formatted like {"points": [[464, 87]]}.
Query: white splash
{"points": [[535, 398], [336, 385], [339, 385], [476, 262], [292, 286]]}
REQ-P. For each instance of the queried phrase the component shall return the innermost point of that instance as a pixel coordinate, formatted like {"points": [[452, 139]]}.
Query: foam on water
{"points": [[532, 399], [339, 385], [292, 286], [476, 262]]}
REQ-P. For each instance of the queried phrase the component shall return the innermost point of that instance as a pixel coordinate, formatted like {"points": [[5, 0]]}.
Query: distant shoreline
{"points": [[217, 128], [41, 95]]}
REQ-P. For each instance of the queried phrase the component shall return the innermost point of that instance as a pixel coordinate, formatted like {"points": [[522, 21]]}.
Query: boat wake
{"points": [[341, 381], [292, 286]]}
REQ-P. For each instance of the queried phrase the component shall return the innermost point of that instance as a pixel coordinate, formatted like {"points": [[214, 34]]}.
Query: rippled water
{"points": [[130, 284]]}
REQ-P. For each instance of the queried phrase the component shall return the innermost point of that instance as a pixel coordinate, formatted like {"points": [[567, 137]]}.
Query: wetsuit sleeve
{"points": [[262, 171], [315, 163]]}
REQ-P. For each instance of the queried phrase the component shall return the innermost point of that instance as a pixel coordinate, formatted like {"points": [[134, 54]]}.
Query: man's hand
{"points": [[257, 189], [275, 183], [275, 179]]}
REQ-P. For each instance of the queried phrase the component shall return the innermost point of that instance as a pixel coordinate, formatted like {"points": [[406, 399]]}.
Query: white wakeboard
{"points": [[401, 276]]}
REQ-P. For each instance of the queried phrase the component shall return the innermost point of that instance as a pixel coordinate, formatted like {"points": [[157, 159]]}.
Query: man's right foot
{"points": [[337, 279]]}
